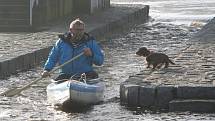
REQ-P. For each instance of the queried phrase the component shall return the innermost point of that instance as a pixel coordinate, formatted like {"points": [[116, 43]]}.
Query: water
{"points": [[172, 21], [177, 11]]}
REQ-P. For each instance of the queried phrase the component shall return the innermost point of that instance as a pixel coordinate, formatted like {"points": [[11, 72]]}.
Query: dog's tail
{"points": [[171, 62]]}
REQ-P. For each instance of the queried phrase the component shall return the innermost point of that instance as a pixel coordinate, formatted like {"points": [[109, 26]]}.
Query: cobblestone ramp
{"points": [[186, 86]]}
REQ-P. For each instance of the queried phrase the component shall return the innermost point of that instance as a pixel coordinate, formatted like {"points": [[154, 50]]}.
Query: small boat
{"points": [[90, 92]]}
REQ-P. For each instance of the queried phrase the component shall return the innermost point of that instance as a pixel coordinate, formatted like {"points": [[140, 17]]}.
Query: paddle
{"points": [[16, 91]]}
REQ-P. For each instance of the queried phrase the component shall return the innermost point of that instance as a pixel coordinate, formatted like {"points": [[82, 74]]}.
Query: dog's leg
{"points": [[160, 65], [148, 65], [155, 65], [166, 64]]}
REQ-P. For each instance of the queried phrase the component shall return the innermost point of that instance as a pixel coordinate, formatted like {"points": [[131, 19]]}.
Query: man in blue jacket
{"points": [[69, 45]]}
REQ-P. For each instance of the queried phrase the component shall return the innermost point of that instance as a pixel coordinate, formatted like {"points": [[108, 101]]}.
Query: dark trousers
{"points": [[89, 75]]}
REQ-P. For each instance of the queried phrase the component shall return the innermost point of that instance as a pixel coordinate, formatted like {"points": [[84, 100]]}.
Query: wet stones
{"points": [[147, 96], [168, 97], [193, 105], [196, 92]]}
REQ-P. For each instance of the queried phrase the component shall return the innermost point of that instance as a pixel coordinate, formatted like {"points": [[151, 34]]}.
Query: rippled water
{"points": [[177, 11], [120, 62]]}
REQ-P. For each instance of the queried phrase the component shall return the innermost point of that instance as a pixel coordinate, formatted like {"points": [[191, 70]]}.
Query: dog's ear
{"points": [[143, 49]]}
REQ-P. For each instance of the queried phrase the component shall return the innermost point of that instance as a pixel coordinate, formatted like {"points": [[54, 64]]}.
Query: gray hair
{"points": [[76, 22]]}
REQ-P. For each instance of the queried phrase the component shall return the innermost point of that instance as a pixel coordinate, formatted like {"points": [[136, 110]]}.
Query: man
{"points": [[69, 45]]}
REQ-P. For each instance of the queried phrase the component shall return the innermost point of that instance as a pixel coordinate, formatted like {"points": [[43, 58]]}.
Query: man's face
{"points": [[77, 31]]}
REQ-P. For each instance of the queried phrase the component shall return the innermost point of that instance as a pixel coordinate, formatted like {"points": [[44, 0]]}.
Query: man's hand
{"points": [[87, 52], [45, 74]]}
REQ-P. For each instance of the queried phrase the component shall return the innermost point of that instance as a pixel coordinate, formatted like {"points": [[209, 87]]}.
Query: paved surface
{"points": [[19, 51], [187, 86], [195, 62], [191, 78]]}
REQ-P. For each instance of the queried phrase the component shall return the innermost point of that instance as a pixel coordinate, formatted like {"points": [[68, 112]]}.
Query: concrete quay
{"points": [[22, 51], [187, 86]]}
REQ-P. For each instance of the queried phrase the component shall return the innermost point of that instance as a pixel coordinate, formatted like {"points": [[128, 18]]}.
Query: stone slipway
{"points": [[187, 86], [22, 51]]}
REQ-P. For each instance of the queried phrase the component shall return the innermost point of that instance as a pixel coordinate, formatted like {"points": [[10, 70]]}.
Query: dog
{"points": [[155, 59]]}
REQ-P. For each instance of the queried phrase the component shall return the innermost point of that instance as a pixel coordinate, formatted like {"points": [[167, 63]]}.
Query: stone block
{"points": [[164, 95], [147, 96], [123, 94], [99, 31], [4, 68], [207, 106], [145, 12], [29, 60], [42, 54], [129, 95], [196, 92], [19, 62], [114, 25], [12, 66], [133, 95]]}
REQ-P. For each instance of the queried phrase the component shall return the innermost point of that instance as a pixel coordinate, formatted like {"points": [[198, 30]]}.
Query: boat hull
{"points": [[76, 91], [85, 93]]}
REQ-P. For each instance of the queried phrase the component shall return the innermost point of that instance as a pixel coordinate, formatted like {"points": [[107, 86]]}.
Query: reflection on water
{"points": [[177, 11], [74, 107]]}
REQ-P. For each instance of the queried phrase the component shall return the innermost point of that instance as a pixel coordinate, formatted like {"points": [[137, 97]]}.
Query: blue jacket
{"points": [[63, 51]]}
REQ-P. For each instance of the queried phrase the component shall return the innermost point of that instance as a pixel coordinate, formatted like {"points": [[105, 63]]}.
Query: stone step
{"points": [[22, 28], [17, 2], [138, 94], [147, 96], [14, 28], [12, 22], [193, 105], [14, 8], [196, 92], [14, 15]]}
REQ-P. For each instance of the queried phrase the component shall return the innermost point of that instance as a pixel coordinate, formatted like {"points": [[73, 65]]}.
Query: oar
{"points": [[16, 91]]}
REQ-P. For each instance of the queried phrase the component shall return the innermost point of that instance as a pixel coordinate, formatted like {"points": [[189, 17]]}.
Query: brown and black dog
{"points": [[155, 59]]}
